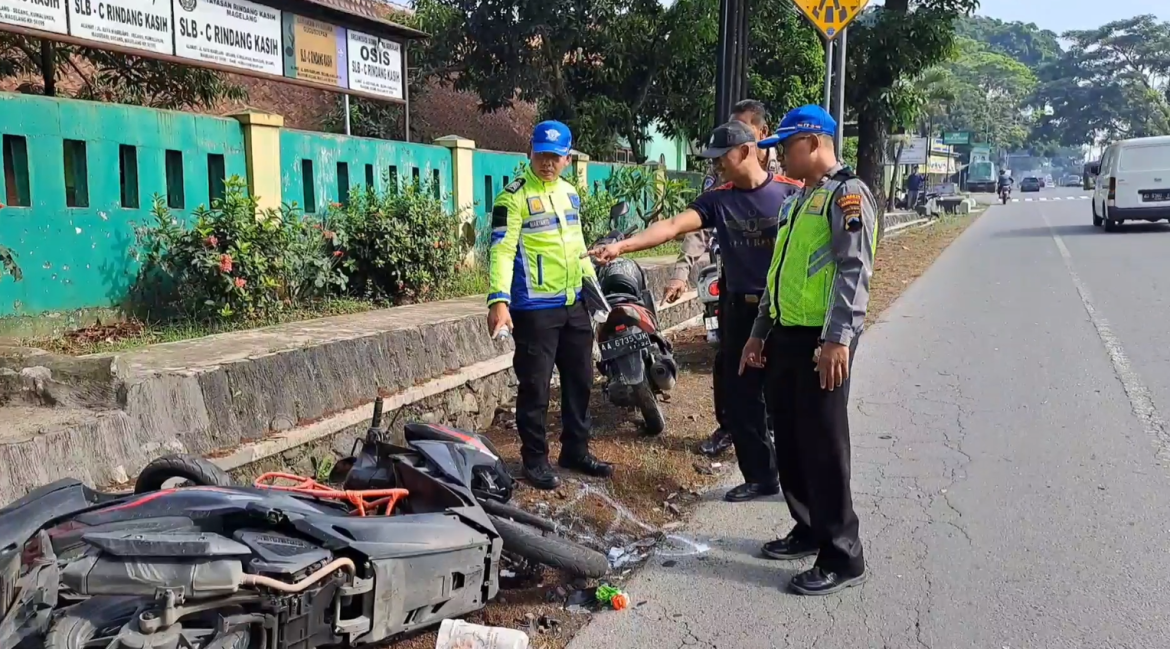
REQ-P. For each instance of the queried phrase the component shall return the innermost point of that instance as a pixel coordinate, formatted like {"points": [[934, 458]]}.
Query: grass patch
{"points": [[672, 248]]}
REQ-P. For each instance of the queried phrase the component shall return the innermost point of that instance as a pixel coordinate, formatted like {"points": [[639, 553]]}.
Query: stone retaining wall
{"points": [[245, 396]]}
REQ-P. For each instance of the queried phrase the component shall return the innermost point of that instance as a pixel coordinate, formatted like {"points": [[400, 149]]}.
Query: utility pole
{"points": [[731, 64]]}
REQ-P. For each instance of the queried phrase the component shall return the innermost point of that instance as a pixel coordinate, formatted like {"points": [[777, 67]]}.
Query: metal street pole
{"points": [[828, 75], [840, 107], [731, 61], [346, 96]]}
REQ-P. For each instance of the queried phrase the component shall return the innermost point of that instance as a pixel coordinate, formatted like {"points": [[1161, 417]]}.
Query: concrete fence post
{"points": [[262, 156], [463, 185], [581, 168]]}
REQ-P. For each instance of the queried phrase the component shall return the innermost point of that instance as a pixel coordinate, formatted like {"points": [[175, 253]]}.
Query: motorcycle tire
{"points": [[651, 410], [99, 617], [501, 510], [553, 551], [196, 470]]}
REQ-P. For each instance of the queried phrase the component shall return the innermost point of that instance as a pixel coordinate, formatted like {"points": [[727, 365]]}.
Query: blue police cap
{"points": [[806, 119], [552, 136]]}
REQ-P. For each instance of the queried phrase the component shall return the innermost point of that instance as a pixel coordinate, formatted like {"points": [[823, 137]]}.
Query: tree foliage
{"points": [[982, 91], [890, 48], [110, 76], [1111, 83], [1024, 42]]}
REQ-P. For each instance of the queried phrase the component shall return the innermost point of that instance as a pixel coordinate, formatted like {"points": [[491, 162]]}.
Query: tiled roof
{"points": [[373, 10]]}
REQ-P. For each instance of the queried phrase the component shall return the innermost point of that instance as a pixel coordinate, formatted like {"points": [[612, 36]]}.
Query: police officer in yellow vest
{"points": [[535, 292], [811, 317]]}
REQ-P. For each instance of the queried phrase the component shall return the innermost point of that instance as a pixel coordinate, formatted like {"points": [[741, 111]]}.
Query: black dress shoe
{"points": [[542, 476], [750, 491], [793, 546], [819, 581], [587, 464], [716, 444]]}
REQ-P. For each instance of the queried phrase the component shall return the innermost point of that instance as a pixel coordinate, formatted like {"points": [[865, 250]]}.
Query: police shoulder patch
{"points": [[575, 201], [850, 205], [514, 186]]}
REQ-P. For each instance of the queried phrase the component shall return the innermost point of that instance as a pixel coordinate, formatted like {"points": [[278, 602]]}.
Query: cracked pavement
{"points": [[1006, 465]]}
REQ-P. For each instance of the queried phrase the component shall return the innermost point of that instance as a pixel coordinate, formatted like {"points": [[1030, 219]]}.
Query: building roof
{"points": [[375, 14]]}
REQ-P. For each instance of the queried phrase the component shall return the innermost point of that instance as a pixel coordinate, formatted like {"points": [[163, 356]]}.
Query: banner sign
{"points": [[375, 65], [140, 24], [237, 33], [48, 15], [315, 51]]}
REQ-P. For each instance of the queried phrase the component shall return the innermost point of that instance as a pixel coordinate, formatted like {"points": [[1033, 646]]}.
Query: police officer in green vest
{"points": [[806, 333], [537, 272]]}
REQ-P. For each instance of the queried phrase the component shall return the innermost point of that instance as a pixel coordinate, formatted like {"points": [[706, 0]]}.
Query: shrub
{"points": [[403, 245], [234, 261]]}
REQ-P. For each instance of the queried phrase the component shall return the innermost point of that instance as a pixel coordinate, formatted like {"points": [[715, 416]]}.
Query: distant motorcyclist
{"points": [[1005, 181]]}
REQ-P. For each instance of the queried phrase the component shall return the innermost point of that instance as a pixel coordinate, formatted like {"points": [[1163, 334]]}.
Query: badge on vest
{"points": [[850, 206], [816, 203], [575, 201], [535, 206]]}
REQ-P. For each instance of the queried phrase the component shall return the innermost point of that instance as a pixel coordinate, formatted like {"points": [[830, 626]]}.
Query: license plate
{"points": [[1156, 197], [712, 323], [616, 347]]}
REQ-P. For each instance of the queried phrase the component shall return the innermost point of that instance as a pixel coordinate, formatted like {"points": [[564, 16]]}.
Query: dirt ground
{"points": [[658, 479]]}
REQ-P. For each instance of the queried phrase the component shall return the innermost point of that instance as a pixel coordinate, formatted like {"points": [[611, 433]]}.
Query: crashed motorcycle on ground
{"points": [[414, 536], [636, 359]]}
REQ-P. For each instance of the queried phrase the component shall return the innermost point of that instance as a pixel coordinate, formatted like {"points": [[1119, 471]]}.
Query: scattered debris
{"points": [[702, 469], [455, 634], [669, 563]]}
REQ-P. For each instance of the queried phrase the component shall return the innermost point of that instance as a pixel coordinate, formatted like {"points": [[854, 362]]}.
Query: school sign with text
{"points": [[235, 35]]}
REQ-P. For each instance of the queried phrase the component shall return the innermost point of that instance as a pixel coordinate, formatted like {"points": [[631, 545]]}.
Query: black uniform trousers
{"points": [[561, 336], [717, 386], [812, 447], [745, 412]]}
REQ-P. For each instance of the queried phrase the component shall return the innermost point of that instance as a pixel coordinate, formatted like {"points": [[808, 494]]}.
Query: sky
{"points": [[1063, 15]]}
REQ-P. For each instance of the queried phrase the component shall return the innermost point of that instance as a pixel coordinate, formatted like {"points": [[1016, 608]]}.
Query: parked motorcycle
{"points": [[288, 563], [708, 283], [636, 360]]}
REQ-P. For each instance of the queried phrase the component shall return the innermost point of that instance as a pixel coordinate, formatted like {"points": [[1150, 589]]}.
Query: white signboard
{"points": [[237, 33], [46, 15], [913, 152], [375, 65], [140, 24]]}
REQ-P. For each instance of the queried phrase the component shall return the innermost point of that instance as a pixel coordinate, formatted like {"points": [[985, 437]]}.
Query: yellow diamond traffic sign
{"points": [[831, 16]]}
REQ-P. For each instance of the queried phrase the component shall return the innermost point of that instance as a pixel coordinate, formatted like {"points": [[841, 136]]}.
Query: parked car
{"points": [[1071, 181], [1133, 182], [1030, 184]]}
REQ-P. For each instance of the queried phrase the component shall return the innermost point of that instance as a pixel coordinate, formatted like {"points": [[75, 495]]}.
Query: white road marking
{"points": [[1051, 198], [1139, 395]]}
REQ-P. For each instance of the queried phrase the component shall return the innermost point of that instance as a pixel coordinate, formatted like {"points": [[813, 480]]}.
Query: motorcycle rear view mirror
{"points": [[620, 209]]}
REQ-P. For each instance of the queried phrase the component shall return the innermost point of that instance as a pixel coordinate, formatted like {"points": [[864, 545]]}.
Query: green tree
{"points": [[889, 48], [1110, 84], [593, 64], [1024, 42], [113, 77], [988, 93], [785, 67]]}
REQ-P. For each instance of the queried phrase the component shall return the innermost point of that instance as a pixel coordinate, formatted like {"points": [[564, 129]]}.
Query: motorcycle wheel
{"points": [[552, 551], [195, 470], [651, 409], [87, 624]]}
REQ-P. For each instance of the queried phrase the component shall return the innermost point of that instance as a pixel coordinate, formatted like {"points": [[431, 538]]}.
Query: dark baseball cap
{"points": [[728, 136]]}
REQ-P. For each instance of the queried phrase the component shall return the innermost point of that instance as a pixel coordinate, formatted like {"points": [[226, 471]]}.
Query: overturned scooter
{"points": [[636, 360]]}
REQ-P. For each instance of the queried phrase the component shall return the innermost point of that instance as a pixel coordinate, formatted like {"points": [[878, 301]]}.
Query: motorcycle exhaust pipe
{"points": [[663, 374]]}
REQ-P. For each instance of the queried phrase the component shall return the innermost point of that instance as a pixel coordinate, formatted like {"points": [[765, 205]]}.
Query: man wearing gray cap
{"points": [[745, 214]]}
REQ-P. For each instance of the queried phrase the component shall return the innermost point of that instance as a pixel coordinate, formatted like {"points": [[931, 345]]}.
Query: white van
{"points": [[1133, 182]]}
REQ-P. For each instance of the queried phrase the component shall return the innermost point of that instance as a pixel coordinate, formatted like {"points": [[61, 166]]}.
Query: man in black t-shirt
{"points": [[745, 214]]}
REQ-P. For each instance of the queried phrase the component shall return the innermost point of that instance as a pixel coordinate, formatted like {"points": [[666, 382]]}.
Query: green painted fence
{"points": [[78, 175], [492, 171], [328, 166]]}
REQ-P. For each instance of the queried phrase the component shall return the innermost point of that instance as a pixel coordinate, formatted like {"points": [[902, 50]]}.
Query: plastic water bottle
{"points": [[457, 633], [504, 334]]}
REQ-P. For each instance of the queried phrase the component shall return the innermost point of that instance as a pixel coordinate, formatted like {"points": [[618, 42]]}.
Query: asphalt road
{"points": [[1010, 465]]}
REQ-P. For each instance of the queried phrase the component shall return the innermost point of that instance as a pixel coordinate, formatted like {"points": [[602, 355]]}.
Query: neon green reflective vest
{"points": [[803, 269], [537, 244]]}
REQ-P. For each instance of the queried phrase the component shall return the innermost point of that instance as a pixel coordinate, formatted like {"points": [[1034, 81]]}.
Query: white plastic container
{"points": [[457, 634]]}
